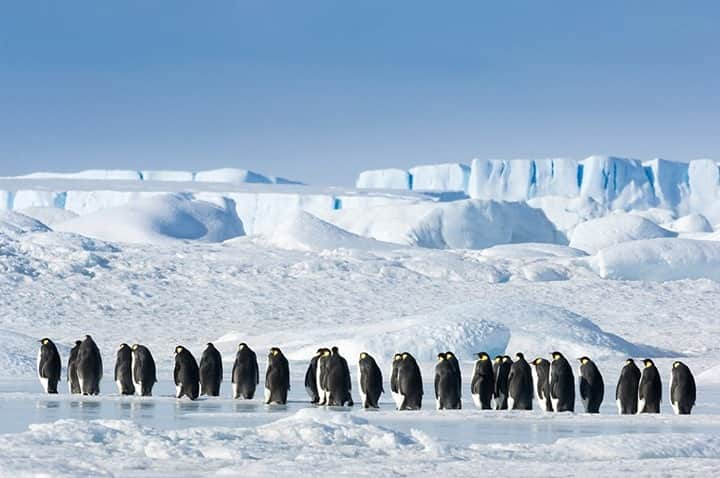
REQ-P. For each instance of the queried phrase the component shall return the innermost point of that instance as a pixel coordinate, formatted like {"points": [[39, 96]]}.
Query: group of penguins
{"points": [[498, 383]]}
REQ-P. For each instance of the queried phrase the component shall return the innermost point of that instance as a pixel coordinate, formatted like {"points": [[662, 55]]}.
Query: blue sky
{"points": [[318, 91]]}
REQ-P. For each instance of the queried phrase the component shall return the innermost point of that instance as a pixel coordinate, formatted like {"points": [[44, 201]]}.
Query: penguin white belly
{"points": [[619, 406], [81, 383], [476, 400], [511, 402], [267, 395], [585, 402], [43, 381], [178, 389], [554, 402], [119, 386], [536, 380], [321, 393], [235, 390], [641, 405], [676, 408], [135, 380], [363, 395], [437, 404], [397, 398]]}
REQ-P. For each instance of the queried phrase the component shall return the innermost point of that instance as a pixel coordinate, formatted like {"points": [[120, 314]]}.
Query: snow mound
{"points": [[305, 232], [384, 179], [591, 236], [659, 260], [656, 215], [167, 175], [48, 215], [159, 219], [691, 223], [440, 177], [467, 224], [237, 176], [112, 174], [567, 213], [15, 223], [18, 354]]}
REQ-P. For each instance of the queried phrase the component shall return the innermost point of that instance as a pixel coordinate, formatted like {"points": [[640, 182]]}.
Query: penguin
{"points": [[650, 389], [89, 367], [277, 378], [501, 367], [482, 385], [541, 383], [337, 380], [144, 372], [447, 394], [626, 392], [682, 389], [520, 384], [49, 366], [409, 383], [449, 356], [72, 377], [592, 386], [211, 371], [311, 377], [186, 374], [394, 391], [370, 382], [245, 373], [562, 384], [321, 377], [123, 370]]}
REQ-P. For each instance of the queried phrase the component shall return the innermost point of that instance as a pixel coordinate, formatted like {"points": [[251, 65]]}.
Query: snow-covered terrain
{"points": [[168, 258]]}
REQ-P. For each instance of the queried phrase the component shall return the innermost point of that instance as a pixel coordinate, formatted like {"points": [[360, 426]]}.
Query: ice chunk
{"points": [[114, 174], [231, 176], [159, 220], [659, 260], [620, 183], [670, 182], [591, 236], [384, 179], [704, 180], [521, 179], [440, 177], [691, 223], [26, 198]]}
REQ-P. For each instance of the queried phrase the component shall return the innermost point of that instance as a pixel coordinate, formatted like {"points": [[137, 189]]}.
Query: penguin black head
{"points": [[441, 357], [405, 355], [363, 356], [242, 345], [87, 337], [506, 358], [210, 345], [483, 356], [134, 347], [648, 363], [45, 341], [449, 355], [78, 342], [397, 357], [498, 358], [583, 360], [556, 355], [334, 350], [179, 349], [677, 363], [538, 361], [629, 362], [519, 355], [274, 351], [123, 345]]}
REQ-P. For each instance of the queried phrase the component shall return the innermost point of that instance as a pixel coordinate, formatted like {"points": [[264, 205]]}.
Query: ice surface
{"points": [[618, 182], [691, 223], [660, 260], [594, 235], [704, 180], [384, 179], [48, 215], [15, 223], [567, 213], [167, 175], [159, 219], [670, 183]]}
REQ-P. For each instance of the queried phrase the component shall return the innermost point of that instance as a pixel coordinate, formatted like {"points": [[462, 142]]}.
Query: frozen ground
{"points": [[176, 270]]}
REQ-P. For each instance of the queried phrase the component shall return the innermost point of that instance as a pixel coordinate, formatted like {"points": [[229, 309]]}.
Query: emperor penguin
{"points": [[123, 370], [592, 386], [370, 382], [338, 382], [626, 393], [650, 389], [72, 377], [446, 391], [311, 377], [501, 366], [89, 367], [49, 366], [541, 383], [321, 376], [144, 372], [520, 384], [245, 373], [409, 382], [277, 378], [394, 391], [186, 374], [450, 357], [211, 371], [562, 384], [682, 389], [482, 386]]}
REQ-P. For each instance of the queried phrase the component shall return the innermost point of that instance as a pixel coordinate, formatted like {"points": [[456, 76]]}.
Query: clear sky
{"points": [[318, 91]]}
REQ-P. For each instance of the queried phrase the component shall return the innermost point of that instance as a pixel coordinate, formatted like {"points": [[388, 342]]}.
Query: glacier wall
{"points": [[612, 182]]}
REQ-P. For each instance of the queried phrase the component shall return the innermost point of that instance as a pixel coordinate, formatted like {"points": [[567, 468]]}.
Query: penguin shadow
{"points": [[246, 406], [47, 404]]}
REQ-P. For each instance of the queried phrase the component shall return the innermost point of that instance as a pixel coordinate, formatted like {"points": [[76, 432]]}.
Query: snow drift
{"points": [[159, 219], [591, 236]]}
